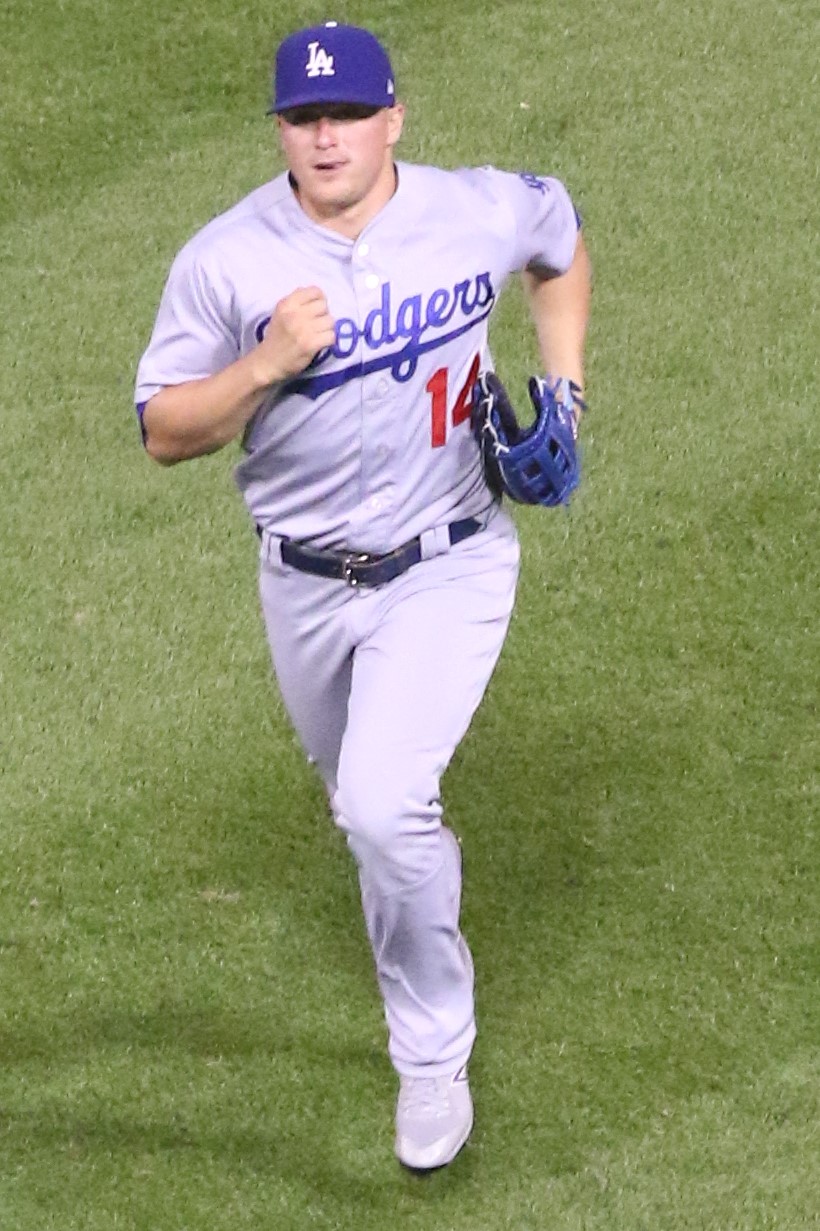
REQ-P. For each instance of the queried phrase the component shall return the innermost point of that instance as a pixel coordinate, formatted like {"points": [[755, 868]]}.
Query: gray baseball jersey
{"points": [[371, 445]]}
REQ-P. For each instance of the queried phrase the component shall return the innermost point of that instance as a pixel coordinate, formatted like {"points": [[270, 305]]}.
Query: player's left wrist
{"points": [[567, 390], [568, 395]]}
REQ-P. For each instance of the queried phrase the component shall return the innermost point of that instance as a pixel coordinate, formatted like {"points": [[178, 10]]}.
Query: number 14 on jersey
{"points": [[438, 388]]}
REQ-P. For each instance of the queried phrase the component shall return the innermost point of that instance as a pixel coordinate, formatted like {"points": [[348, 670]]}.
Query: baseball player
{"points": [[334, 322]]}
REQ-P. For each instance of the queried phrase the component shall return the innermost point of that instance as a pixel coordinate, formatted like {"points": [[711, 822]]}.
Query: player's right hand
{"points": [[299, 328]]}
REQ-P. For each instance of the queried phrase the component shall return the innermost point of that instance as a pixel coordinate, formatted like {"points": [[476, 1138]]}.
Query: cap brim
{"points": [[310, 100]]}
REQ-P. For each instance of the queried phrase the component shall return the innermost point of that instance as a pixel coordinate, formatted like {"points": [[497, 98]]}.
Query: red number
{"points": [[464, 402], [437, 388]]}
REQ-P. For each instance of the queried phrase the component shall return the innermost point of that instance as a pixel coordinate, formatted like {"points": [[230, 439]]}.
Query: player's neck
{"points": [[349, 218]]}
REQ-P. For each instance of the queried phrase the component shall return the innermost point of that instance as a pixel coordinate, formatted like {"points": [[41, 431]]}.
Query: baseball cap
{"points": [[332, 64]]}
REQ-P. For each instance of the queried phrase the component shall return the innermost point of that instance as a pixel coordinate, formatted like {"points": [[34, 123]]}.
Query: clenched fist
{"points": [[299, 328]]}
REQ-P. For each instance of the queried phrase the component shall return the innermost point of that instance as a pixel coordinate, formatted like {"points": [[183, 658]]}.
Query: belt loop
{"points": [[434, 542], [271, 550]]}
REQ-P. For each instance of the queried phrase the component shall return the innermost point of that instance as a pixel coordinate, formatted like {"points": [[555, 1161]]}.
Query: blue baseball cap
{"points": [[332, 64]]}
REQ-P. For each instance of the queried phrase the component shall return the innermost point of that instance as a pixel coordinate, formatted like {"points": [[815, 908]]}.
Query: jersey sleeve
{"points": [[193, 336], [545, 223]]}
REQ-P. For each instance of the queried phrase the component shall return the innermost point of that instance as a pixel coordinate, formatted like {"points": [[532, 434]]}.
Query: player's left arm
{"points": [[559, 305]]}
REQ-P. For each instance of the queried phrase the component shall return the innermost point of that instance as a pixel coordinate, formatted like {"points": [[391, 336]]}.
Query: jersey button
{"points": [[372, 281], [363, 249]]}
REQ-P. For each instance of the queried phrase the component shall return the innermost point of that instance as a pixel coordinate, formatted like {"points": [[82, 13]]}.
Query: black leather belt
{"points": [[361, 568]]}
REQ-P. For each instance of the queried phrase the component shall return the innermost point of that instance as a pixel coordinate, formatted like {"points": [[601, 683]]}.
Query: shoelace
{"points": [[425, 1095]]}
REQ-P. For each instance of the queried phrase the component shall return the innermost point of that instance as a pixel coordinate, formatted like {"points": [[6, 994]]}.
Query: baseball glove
{"points": [[538, 464]]}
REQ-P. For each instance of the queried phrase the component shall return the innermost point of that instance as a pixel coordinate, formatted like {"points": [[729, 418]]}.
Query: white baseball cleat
{"points": [[434, 1118]]}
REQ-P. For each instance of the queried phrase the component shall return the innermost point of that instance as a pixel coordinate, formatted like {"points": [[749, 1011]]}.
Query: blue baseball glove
{"points": [[533, 465]]}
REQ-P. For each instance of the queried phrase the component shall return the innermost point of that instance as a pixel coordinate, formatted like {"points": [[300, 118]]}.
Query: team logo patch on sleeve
{"points": [[533, 181]]}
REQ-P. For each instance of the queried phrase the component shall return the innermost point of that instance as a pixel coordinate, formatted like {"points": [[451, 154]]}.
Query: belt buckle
{"points": [[349, 563]]}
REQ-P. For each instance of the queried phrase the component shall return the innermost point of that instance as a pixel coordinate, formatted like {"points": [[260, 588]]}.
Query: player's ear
{"points": [[395, 123]]}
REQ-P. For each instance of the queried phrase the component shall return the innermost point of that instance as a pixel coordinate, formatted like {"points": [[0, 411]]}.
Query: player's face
{"points": [[341, 157]]}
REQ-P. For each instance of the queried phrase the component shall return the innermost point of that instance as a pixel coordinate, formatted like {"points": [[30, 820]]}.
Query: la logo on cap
{"points": [[319, 64]]}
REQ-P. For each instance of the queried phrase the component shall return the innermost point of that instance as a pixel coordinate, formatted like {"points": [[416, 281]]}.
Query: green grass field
{"points": [[190, 1038]]}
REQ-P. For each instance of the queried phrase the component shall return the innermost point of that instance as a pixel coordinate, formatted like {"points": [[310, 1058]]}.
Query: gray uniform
{"points": [[367, 449]]}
